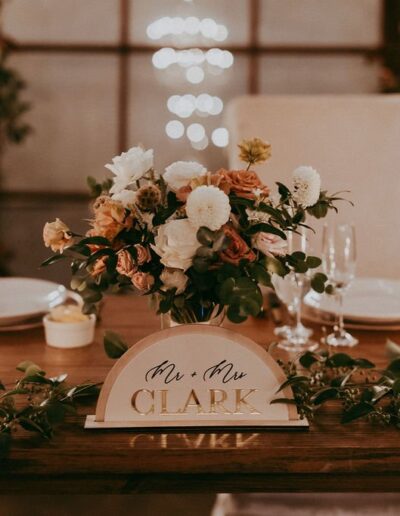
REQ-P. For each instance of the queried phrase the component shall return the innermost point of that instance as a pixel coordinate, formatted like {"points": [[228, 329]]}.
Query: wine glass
{"points": [[339, 264], [291, 290]]}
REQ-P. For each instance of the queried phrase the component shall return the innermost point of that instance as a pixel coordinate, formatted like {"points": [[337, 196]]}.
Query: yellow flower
{"points": [[254, 151]]}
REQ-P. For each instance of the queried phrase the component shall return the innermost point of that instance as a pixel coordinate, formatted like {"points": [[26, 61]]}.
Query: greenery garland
{"points": [[362, 390], [36, 403]]}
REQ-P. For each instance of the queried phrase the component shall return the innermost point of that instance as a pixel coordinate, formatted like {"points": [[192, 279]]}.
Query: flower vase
{"points": [[213, 317]]}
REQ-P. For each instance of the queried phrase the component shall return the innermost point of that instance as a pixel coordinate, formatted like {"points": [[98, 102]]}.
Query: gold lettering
{"points": [[192, 401], [216, 404], [219, 440], [241, 400], [134, 402], [242, 441], [142, 437]]}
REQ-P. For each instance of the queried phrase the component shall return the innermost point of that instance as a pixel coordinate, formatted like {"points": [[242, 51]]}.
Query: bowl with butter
{"points": [[67, 327]]}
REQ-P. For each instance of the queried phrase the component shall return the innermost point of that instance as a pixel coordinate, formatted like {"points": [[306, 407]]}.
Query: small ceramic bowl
{"points": [[69, 334]]}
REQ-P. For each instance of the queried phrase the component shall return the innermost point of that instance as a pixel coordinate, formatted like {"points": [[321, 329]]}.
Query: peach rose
{"points": [[245, 183], [218, 179], [237, 250], [125, 263], [99, 266], [143, 281], [110, 218], [143, 254], [270, 245], [57, 235]]}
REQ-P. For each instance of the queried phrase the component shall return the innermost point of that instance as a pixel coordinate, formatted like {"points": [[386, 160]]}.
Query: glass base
{"points": [[286, 331], [344, 339], [297, 347]]}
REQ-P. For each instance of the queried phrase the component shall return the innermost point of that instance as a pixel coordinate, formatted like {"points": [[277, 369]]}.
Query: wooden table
{"points": [[327, 457]]}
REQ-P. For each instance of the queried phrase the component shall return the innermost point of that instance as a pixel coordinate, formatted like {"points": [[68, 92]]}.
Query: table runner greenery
{"points": [[37, 403]]}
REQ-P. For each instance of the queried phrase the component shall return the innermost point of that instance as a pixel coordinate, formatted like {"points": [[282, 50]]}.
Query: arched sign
{"points": [[194, 375]]}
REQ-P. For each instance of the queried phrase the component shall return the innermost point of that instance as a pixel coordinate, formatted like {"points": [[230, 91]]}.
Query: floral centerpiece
{"points": [[200, 242]]}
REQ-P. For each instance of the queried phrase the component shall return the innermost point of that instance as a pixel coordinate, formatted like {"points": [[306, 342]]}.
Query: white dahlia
{"points": [[180, 173], [306, 186], [208, 206]]}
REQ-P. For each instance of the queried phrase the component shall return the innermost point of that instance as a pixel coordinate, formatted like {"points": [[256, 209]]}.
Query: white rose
{"points": [[270, 245], [176, 243], [129, 167], [306, 186], [126, 197], [174, 278], [181, 172]]}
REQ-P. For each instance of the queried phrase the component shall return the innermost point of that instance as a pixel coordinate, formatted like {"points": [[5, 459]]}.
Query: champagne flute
{"points": [[339, 264], [291, 290]]}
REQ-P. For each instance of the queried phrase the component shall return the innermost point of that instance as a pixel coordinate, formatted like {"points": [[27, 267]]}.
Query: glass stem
{"points": [[340, 322]]}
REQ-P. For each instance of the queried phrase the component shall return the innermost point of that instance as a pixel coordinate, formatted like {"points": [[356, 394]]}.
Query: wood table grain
{"points": [[327, 457]]}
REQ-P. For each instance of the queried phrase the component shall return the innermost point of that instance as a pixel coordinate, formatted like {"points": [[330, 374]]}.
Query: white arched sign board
{"points": [[194, 375]]}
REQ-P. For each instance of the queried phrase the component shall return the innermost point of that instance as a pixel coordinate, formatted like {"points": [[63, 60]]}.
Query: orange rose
{"points": [[218, 179], [143, 254], [143, 281], [110, 218], [244, 183], [237, 250]]}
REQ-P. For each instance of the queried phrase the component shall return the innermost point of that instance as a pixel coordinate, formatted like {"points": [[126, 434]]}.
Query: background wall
{"points": [[95, 91]]}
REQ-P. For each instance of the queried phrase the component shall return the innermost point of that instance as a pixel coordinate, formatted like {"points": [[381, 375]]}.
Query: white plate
{"points": [[23, 298], [371, 300]]}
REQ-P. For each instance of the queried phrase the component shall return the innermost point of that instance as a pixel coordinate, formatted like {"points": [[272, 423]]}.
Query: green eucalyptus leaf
{"points": [[340, 360], [114, 346], [249, 306], [266, 228], [364, 363], [356, 411], [288, 401], [23, 366], [394, 367], [275, 266], [206, 252], [313, 262], [293, 381], [53, 259], [396, 386], [200, 264], [298, 255], [234, 315], [329, 393], [205, 236], [32, 426], [308, 359], [95, 240], [226, 290], [55, 411]]}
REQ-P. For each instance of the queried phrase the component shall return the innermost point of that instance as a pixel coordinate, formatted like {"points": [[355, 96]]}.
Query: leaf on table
{"points": [[114, 346]]}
